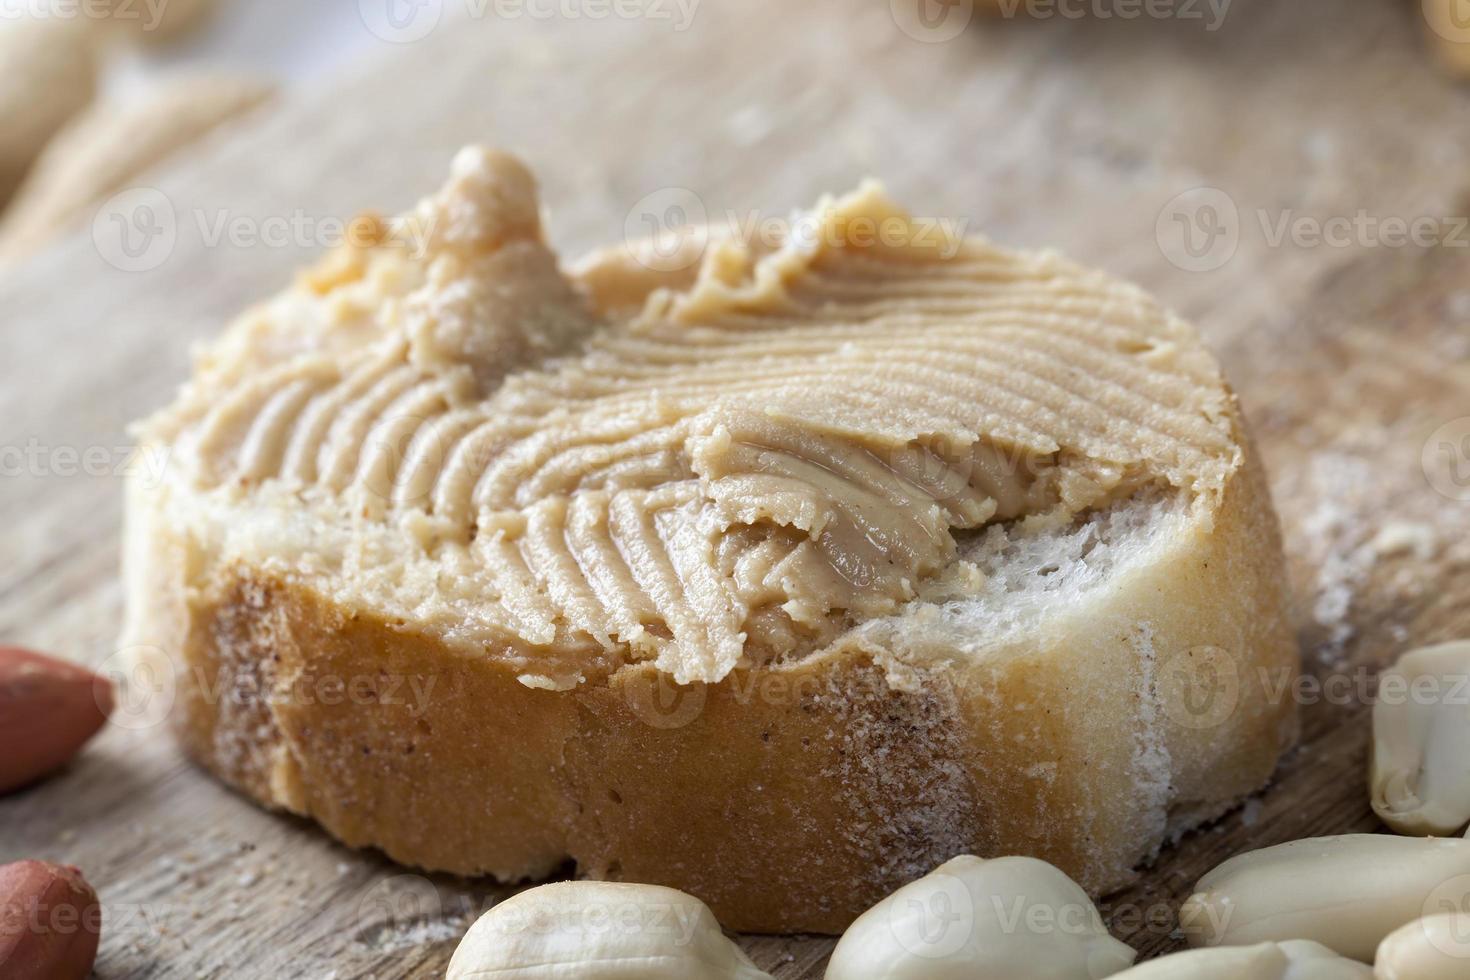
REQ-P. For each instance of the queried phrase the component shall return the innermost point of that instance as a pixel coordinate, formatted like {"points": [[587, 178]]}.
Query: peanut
{"points": [[973, 917], [50, 922], [48, 710], [1346, 892], [1296, 959], [1419, 779], [50, 71], [1436, 947], [598, 930]]}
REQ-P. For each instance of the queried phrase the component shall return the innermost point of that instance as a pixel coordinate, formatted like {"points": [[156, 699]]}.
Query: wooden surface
{"points": [[1350, 357]]}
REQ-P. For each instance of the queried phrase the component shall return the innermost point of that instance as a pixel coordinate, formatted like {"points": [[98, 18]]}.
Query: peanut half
{"points": [[971, 917], [49, 66], [48, 710], [600, 930], [1448, 34], [1433, 948], [50, 922], [1346, 892], [1419, 777], [1297, 959]]}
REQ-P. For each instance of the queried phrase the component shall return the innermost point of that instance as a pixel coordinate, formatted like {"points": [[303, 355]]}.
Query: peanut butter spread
{"points": [[712, 467]]}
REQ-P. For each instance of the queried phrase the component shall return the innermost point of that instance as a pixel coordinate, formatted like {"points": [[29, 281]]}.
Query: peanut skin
{"points": [[50, 922], [48, 710]]}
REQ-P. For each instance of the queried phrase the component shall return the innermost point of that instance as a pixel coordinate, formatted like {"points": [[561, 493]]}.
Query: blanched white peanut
{"points": [[1433, 948], [1345, 892], [1448, 37], [599, 930], [972, 918], [1419, 779], [1297, 959]]}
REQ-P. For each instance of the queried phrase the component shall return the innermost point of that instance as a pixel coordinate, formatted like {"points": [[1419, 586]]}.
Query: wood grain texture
{"points": [[1352, 359]]}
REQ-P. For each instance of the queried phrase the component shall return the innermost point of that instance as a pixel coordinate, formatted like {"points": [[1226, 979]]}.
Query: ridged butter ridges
{"points": [[790, 439]]}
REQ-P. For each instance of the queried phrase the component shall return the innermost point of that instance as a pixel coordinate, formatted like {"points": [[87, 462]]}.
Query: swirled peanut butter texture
{"points": [[735, 463]]}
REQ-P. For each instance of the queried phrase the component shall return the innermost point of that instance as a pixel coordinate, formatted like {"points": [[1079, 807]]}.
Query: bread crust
{"points": [[789, 797]]}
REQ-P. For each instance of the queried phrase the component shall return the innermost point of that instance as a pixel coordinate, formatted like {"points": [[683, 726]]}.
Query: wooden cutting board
{"points": [[1352, 356]]}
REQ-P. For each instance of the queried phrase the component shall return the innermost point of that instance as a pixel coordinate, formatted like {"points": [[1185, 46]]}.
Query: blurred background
{"points": [[1288, 174]]}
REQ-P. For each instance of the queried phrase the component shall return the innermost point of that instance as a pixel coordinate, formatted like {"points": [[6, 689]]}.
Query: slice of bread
{"points": [[778, 577]]}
